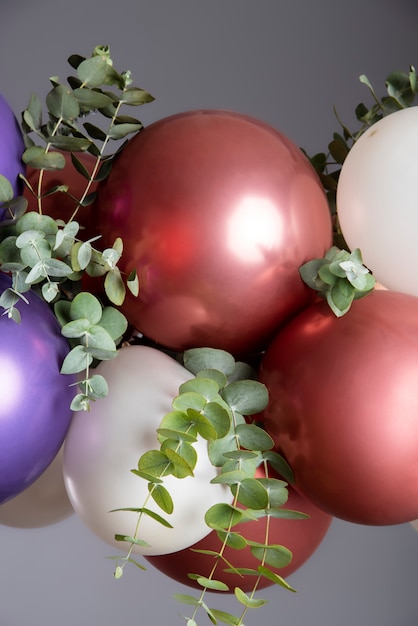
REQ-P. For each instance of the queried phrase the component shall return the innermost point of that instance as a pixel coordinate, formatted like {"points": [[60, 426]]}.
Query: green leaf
{"points": [[93, 71], [246, 396], [162, 498], [38, 158], [95, 387], [279, 464], [226, 618], [135, 96], [62, 103], [253, 437], [76, 328], [251, 493], [70, 144], [98, 338], [219, 416], [197, 359], [189, 400], [85, 305], [89, 99], [6, 189], [186, 599], [274, 578], [203, 386], [132, 540], [95, 132], [223, 516], [180, 467], [120, 131], [50, 291], [114, 322], [274, 555], [153, 462], [76, 361], [232, 540], [114, 287], [80, 402], [229, 478], [33, 114], [218, 377], [210, 583], [57, 268], [277, 491], [250, 603], [133, 283]]}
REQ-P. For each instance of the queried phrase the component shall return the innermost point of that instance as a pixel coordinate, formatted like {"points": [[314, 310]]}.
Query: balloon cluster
{"points": [[217, 213]]}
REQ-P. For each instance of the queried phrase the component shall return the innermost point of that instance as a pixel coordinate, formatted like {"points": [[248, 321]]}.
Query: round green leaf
{"points": [[85, 305], [253, 437], [246, 396], [197, 359]]}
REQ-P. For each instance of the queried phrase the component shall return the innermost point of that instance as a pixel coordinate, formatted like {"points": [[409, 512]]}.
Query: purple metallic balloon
{"points": [[34, 397], [11, 147]]}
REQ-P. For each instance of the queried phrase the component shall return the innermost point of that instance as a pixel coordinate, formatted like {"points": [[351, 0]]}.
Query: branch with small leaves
{"points": [[216, 405], [48, 255]]}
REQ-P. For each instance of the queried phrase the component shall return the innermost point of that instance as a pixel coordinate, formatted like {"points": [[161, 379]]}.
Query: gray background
{"points": [[287, 63]]}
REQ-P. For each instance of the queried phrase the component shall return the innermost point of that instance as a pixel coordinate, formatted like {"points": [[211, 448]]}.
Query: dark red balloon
{"points": [[60, 205], [302, 537], [344, 406], [217, 211]]}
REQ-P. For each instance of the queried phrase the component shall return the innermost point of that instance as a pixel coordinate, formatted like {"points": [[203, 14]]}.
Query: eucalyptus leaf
{"points": [[162, 498], [223, 516], [251, 493], [250, 603], [93, 71], [133, 283], [85, 305], [274, 578], [70, 144], [62, 103], [76, 361], [121, 131], [114, 287], [204, 386], [226, 618], [114, 322], [38, 158], [274, 555], [196, 359], [246, 396], [6, 189], [253, 437], [211, 584], [90, 99], [135, 96], [153, 462]]}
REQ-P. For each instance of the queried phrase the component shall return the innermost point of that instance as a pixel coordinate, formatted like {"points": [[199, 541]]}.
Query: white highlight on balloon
{"points": [[254, 228]]}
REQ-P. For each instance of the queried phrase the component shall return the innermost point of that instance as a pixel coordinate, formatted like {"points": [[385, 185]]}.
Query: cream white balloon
{"points": [[377, 201], [104, 444], [44, 503]]}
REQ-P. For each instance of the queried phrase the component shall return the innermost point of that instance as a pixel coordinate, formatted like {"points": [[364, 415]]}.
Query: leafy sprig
{"points": [[50, 256], [340, 277], [401, 92], [216, 405]]}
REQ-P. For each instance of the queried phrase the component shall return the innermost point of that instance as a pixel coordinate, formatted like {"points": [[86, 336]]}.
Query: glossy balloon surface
{"points": [[34, 397], [106, 443], [59, 205], [302, 537], [217, 212], [42, 504], [11, 146], [376, 199], [344, 406]]}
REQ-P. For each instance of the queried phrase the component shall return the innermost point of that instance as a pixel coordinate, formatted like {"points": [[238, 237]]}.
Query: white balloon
{"points": [[104, 444], [44, 503], [377, 200]]}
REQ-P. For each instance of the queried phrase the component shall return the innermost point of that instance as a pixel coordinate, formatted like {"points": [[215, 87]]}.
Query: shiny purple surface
{"points": [[11, 147], [217, 211], [34, 396]]}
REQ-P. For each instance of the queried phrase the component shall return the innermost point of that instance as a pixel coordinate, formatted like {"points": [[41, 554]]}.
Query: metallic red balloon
{"points": [[60, 205], [302, 537], [344, 406], [217, 211]]}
